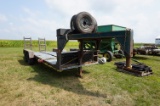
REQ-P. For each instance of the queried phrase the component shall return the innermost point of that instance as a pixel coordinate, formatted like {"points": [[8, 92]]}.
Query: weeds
{"points": [[102, 85]]}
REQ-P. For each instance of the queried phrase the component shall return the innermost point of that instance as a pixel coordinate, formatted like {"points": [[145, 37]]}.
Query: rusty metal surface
{"points": [[77, 66]]}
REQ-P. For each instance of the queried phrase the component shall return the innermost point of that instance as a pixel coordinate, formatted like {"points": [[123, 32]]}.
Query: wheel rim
{"points": [[107, 55], [85, 22]]}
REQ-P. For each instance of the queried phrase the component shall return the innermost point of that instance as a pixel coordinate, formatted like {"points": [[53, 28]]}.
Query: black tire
{"points": [[31, 61], [84, 23], [26, 56], [134, 52], [28, 60], [108, 55], [72, 23], [140, 52], [95, 27], [155, 54]]}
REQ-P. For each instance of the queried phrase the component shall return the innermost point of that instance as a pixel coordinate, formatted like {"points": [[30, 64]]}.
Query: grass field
{"points": [[20, 43], [101, 85]]}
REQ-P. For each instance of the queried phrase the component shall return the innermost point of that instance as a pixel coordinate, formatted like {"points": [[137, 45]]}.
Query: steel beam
{"points": [[125, 38]]}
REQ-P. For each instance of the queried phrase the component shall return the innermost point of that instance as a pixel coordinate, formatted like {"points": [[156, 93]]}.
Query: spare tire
{"points": [[83, 23], [72, 26], [95, 28]]}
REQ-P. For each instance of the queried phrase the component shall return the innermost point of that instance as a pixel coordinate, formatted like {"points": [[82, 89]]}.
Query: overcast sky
{"points": [[41, 18]]}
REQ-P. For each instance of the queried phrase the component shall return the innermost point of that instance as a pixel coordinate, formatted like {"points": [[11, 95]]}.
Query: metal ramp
{"points": [[27, 43], [42, 44]]}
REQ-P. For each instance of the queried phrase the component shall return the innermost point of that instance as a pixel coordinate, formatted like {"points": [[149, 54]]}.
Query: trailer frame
{"points": [[76, 59]]}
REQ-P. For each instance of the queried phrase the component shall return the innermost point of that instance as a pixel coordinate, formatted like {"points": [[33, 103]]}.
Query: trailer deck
{"points": [[48, 57], [51, 59]]}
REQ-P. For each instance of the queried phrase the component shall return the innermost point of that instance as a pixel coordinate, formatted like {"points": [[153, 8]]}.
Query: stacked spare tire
{"points": [[83, 22]]}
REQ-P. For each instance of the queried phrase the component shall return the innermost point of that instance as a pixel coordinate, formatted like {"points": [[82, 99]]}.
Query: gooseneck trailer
{"points": [[77, 59]]}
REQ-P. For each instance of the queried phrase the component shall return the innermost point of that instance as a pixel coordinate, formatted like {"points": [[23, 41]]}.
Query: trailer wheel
{"points": [[28, 60], [25, 57], [109, 56], [84, 23]]}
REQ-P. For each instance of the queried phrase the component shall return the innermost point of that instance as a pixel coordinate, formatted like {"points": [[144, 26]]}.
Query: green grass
{"points": [[101, 85], [20, 43]]}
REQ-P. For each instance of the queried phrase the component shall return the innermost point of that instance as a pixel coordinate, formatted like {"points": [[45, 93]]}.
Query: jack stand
{"points": [[79, 74]]}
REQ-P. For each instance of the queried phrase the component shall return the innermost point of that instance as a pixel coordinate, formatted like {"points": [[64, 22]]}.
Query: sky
{"points": [[41, 18]]}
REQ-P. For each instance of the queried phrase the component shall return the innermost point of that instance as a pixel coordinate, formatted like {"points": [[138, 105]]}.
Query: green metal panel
{"points": [[109, 43], [118, 28], [104, 28], [109, 28]]}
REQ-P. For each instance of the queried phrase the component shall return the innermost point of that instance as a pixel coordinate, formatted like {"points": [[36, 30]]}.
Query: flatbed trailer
{"points": [[76, 59]]}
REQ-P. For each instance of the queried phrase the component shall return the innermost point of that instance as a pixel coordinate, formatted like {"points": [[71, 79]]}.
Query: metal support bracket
{"points": [[125, 38]]}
